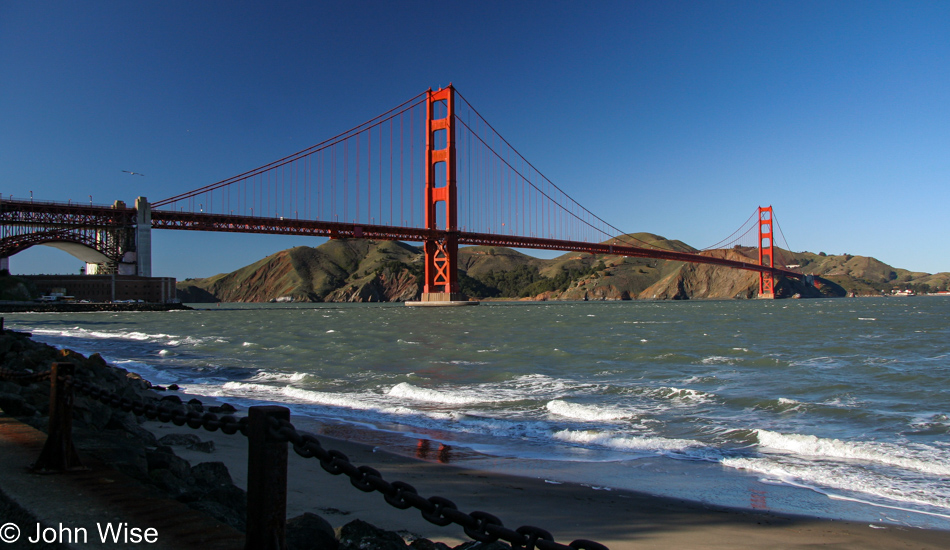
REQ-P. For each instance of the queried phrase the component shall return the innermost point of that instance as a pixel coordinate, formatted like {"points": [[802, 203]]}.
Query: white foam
{"points": [[77, 332], [278, 376], [586, 412], [617, 441], [299, 395], [405, 390], [134, 336], [845, 477], [789, 405], [683, 395], [880, 453], [718, 360]]}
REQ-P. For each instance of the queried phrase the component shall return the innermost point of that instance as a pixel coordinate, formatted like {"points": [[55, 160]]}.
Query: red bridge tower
{"points": [[766, 253], [441, 253]]}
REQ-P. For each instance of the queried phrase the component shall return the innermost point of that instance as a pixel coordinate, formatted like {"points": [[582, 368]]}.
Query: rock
{"points": [[211, 475], [163, 458], [179, 440], [15, 405], [308, 531], [475, 545], [189, 441], [225, 408], [168, 481], [426, 544], [128, 423], [227, 504], [359, 535], [220, 512]]}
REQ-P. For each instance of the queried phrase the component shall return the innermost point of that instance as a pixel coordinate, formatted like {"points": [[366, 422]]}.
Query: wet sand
{"points": [[622, 520]]}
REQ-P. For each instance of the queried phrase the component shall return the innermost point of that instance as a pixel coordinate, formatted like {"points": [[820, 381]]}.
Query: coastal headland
{"points": [[207, 472], [355, 270]]}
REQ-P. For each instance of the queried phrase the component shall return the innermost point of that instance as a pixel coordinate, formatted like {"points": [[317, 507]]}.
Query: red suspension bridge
{"points": [[430, 170]]}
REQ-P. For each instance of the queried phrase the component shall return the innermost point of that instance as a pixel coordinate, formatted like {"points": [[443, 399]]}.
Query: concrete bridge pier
{"points": [[143, 237], [135, 245]]}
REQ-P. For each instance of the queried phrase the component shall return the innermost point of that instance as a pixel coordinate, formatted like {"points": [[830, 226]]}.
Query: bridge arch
{"points": [[109, 239], [90, 247]]}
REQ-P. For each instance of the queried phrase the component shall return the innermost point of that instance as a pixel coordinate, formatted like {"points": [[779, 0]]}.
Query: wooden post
{"points": [[58, 454], [266, 481]]}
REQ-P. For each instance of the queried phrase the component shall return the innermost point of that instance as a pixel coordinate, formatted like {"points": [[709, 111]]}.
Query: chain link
{"points": [[480, 526], [23, 377], [195, 420]]}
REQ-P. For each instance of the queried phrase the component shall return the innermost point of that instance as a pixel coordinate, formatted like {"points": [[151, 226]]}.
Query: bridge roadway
{"points": [[77, 215], [164, 219]]}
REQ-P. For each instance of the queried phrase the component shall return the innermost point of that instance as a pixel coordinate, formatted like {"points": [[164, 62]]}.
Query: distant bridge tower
{"points": [[766, 252], [441, 254]]}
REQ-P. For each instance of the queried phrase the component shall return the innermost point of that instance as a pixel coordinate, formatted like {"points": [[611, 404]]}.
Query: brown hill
{"points": [[369, 271], [338, 271]]}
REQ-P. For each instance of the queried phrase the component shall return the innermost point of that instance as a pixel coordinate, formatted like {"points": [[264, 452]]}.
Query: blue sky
{"points": [[677, 118]]}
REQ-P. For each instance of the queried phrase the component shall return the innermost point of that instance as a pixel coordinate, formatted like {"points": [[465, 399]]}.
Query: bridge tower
{"points": [[441, 253], [766, 253]]}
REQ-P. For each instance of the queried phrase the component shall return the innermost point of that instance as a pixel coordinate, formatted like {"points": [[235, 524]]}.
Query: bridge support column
{"points": [[766, 253], [143, 237], [441, 286], [5, 264]]}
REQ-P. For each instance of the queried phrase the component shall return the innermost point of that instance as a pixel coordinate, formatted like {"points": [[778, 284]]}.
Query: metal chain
{"points": [[209, 421], [480, 526], [23, 377]]}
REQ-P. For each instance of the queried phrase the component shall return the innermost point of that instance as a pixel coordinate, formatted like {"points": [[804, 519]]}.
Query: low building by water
{"points": [[108, 288]]}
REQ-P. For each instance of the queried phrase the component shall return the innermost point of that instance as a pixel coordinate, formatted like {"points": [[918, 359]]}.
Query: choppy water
{"points": [[837, 408]]}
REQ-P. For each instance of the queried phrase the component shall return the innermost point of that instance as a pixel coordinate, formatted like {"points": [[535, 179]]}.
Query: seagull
{"points": [[134, 173]]}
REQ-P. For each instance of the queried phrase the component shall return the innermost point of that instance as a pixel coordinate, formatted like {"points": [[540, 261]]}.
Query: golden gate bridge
{"points": [[430, 170]]}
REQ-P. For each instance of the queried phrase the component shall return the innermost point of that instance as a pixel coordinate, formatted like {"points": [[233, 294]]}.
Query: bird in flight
{"points": [[134, 173]]}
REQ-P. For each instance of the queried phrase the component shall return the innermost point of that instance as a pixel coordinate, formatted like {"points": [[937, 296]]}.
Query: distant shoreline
{"points": [[75, 307]]}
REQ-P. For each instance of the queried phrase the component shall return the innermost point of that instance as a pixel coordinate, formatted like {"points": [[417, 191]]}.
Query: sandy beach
{"points": [[622, 520]]}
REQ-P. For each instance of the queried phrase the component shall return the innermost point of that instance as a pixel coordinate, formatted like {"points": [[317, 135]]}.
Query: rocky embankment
{"points": [[118, 439]]}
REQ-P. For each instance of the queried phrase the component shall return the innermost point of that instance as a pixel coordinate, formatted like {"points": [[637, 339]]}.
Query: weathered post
{"points": [[266, 480], [58, 454]]}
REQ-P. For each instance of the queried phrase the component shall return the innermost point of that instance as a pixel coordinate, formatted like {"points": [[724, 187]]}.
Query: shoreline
{"points": [[702, 483], [620, 519]]}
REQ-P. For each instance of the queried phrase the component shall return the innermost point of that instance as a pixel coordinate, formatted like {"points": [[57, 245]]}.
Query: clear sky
{"points": [[677, 118]]}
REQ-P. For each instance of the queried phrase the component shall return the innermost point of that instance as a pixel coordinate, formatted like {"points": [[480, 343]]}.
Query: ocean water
{"points": [[835, 408]]}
